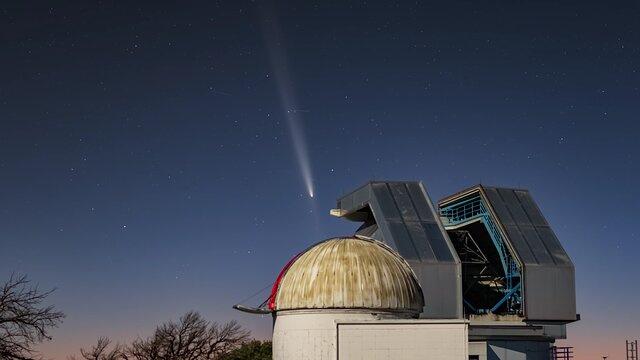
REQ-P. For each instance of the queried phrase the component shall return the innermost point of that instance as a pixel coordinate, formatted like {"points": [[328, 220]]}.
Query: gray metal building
{"points": [[485, 254]]}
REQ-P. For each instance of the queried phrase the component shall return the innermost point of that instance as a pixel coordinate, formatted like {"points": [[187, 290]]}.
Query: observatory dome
{"points": [[348, 273]]}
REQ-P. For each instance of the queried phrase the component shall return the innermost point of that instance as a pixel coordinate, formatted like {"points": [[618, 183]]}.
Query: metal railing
{"points": [[561, 352], [472, 209]]}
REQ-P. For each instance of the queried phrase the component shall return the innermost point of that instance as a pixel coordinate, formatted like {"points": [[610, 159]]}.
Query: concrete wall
{"points": [[299, 335], [309, 336], [403, 340]]}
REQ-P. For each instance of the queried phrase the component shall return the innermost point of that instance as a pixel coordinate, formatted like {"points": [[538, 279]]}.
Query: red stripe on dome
{"points": [[276, 285]]}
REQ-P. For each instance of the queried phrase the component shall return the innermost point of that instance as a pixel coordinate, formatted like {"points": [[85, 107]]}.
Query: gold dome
{"points": [[348, 273]]}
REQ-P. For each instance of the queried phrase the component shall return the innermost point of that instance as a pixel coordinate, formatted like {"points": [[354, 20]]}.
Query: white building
{"points": [[355, 298]]}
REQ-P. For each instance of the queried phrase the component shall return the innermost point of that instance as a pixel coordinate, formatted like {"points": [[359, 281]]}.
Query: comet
{"points": [[285, 87], [300, 149]]}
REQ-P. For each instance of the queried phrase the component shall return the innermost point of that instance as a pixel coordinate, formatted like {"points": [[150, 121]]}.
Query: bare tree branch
{"points": [[191, 338], [23, 321], [100, 352]]}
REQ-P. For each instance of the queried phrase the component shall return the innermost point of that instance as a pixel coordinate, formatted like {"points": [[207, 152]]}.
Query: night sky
{"points": [[158, 158]]}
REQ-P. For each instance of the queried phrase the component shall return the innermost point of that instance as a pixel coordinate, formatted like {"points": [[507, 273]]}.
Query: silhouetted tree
{"points": [[252, 350], [191, 338], [100, 352], [24, 322]]}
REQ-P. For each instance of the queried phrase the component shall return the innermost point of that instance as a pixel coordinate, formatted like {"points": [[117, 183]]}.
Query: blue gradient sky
{"points": [[148, 168]]}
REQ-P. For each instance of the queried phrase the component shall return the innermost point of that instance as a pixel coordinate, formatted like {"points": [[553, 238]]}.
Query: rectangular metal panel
{"points": [[526, 227], [421, 241], [520, 244], [442, 289], [425, 210], [558, 253], [550, 292], [514, 207], [499, 206], [530, 207], [413, 239], [403, 202], [438, 242], [404, 245], [386, 203], [383, 230], [535, 244]]}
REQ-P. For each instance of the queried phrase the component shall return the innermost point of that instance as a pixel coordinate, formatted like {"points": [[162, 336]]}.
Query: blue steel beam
{"points": [[472, 209], [505, 297], [470, 306]]}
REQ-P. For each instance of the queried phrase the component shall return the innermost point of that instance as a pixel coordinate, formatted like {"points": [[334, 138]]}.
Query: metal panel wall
{"points": [[549, 293], [549, 275], [401, 215], [521, 218]]}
